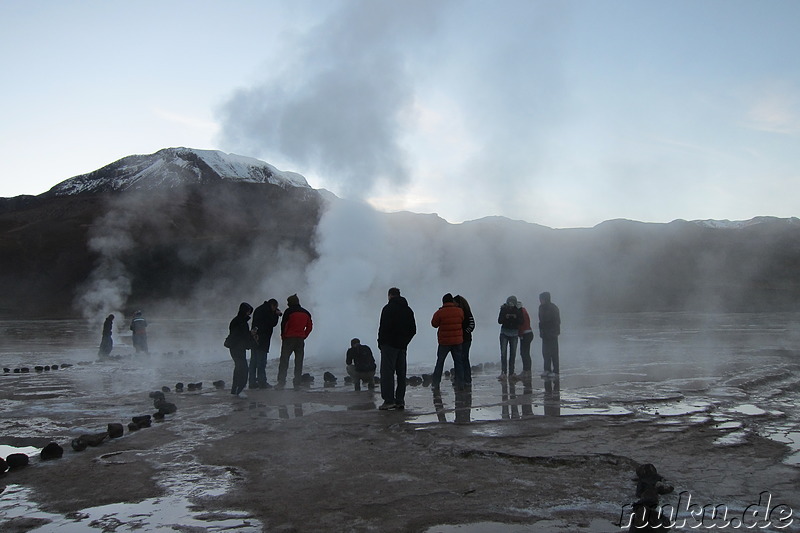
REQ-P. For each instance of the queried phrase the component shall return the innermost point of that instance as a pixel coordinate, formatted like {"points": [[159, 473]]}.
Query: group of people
{"points": [[453, 321], [138, 328], [296, 325], [515, 329]]}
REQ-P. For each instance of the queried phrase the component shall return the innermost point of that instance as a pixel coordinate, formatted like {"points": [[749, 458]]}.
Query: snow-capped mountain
{"points": [[172, 167], [739, 224]]}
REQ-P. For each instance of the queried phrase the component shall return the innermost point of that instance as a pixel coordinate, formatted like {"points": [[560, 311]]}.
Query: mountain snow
{"points": [[173, 167]]}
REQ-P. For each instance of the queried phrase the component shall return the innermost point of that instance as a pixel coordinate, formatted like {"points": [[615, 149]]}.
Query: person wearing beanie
{"points": [[396, 329], [549, 330], [296, 325], [360, 364], [509, 319], [265, 318], [449, 322]]}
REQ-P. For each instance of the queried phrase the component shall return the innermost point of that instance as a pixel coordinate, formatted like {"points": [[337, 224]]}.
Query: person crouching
{"points": [[361, 364]]}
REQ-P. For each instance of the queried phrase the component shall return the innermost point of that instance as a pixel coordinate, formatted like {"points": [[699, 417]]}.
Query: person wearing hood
{"points": [[510, 318], [106, 342], [396, 329], [449, 322], [240, 339], [549, 330], [265, 318], [139, 329], [296, 325]]}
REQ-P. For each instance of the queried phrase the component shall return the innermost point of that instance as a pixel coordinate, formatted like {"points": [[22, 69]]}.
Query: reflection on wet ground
{"points": [[652, 378]]}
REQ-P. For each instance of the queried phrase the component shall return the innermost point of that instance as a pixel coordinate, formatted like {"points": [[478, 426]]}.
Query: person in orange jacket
{"points": [[296, 325], [449, 320]]}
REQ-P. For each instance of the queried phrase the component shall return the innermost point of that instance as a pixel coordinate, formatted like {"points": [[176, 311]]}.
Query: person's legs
{"points": [[546, 354], [239, 370], [525, 351], [467, 365], [251, 370], [299, 354], [554, 354], [458, 365], [401, 367], [261, 370], [503, 354], [283, 364], [389, 357], [441, 356], [351, 371], [512, 354]]}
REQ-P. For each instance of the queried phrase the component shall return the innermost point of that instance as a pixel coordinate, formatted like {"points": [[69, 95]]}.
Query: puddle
{"points": [[513, 412], [167, 513], [676, 409]]}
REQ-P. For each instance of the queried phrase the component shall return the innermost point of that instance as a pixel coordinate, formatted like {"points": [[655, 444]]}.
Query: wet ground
{"points": [[714, 406]]}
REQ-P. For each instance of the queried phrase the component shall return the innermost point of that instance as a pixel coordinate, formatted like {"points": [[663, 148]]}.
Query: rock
{"points": [[158, 416], [115, 430], [51, 451], [17, 460], [414, 381], [306, 378], [6, 370], [25, 369], [78, 444], [219, 384], [198, 385], [179, 387], [16, 370], [427, 379], [133, 426], [165, 407], [38, 368], [143, 421], [95, 439], [157, 395], [66, 365], [348, 380], [54, 367], [328, 377], [165, 389]]}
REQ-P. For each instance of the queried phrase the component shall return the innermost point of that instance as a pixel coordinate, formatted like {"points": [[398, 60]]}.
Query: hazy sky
{"points": [[564, 113]]}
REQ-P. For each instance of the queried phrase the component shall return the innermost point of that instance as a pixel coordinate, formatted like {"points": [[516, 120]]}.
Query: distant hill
{"points": [[185, 229]]}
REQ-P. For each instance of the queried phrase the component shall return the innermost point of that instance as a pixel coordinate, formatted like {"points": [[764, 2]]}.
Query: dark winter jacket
{"points": [[549, 318], [397, 325], [239, 331], [296, 323], [510, 317], [265, 319], [449, 321], [361, 357]]}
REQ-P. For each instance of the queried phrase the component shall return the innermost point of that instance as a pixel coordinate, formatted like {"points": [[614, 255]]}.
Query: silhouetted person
{"points": [[469, 327], [525, 340], [265, 318], [360, 364], [449, 323], [106, 342], [239, 340], [139, 329], [549, 330], [509, 319], [296, 325], [397, 328]]}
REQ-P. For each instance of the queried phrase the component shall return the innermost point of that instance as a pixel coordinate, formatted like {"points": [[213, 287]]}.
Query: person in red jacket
{"points": [[449, 320], [296, 325]]}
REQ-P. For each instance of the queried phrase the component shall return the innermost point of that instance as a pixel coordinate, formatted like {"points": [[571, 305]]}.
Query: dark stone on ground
{"points": [[51, 451], [157, 395], [17, 460], [115, 430]]}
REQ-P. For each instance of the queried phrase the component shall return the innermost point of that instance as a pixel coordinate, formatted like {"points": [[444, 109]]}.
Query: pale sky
{"points": [[563, 113]]}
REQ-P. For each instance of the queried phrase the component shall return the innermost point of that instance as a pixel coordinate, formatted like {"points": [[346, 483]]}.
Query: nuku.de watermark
{"points": [[763, 514]]}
